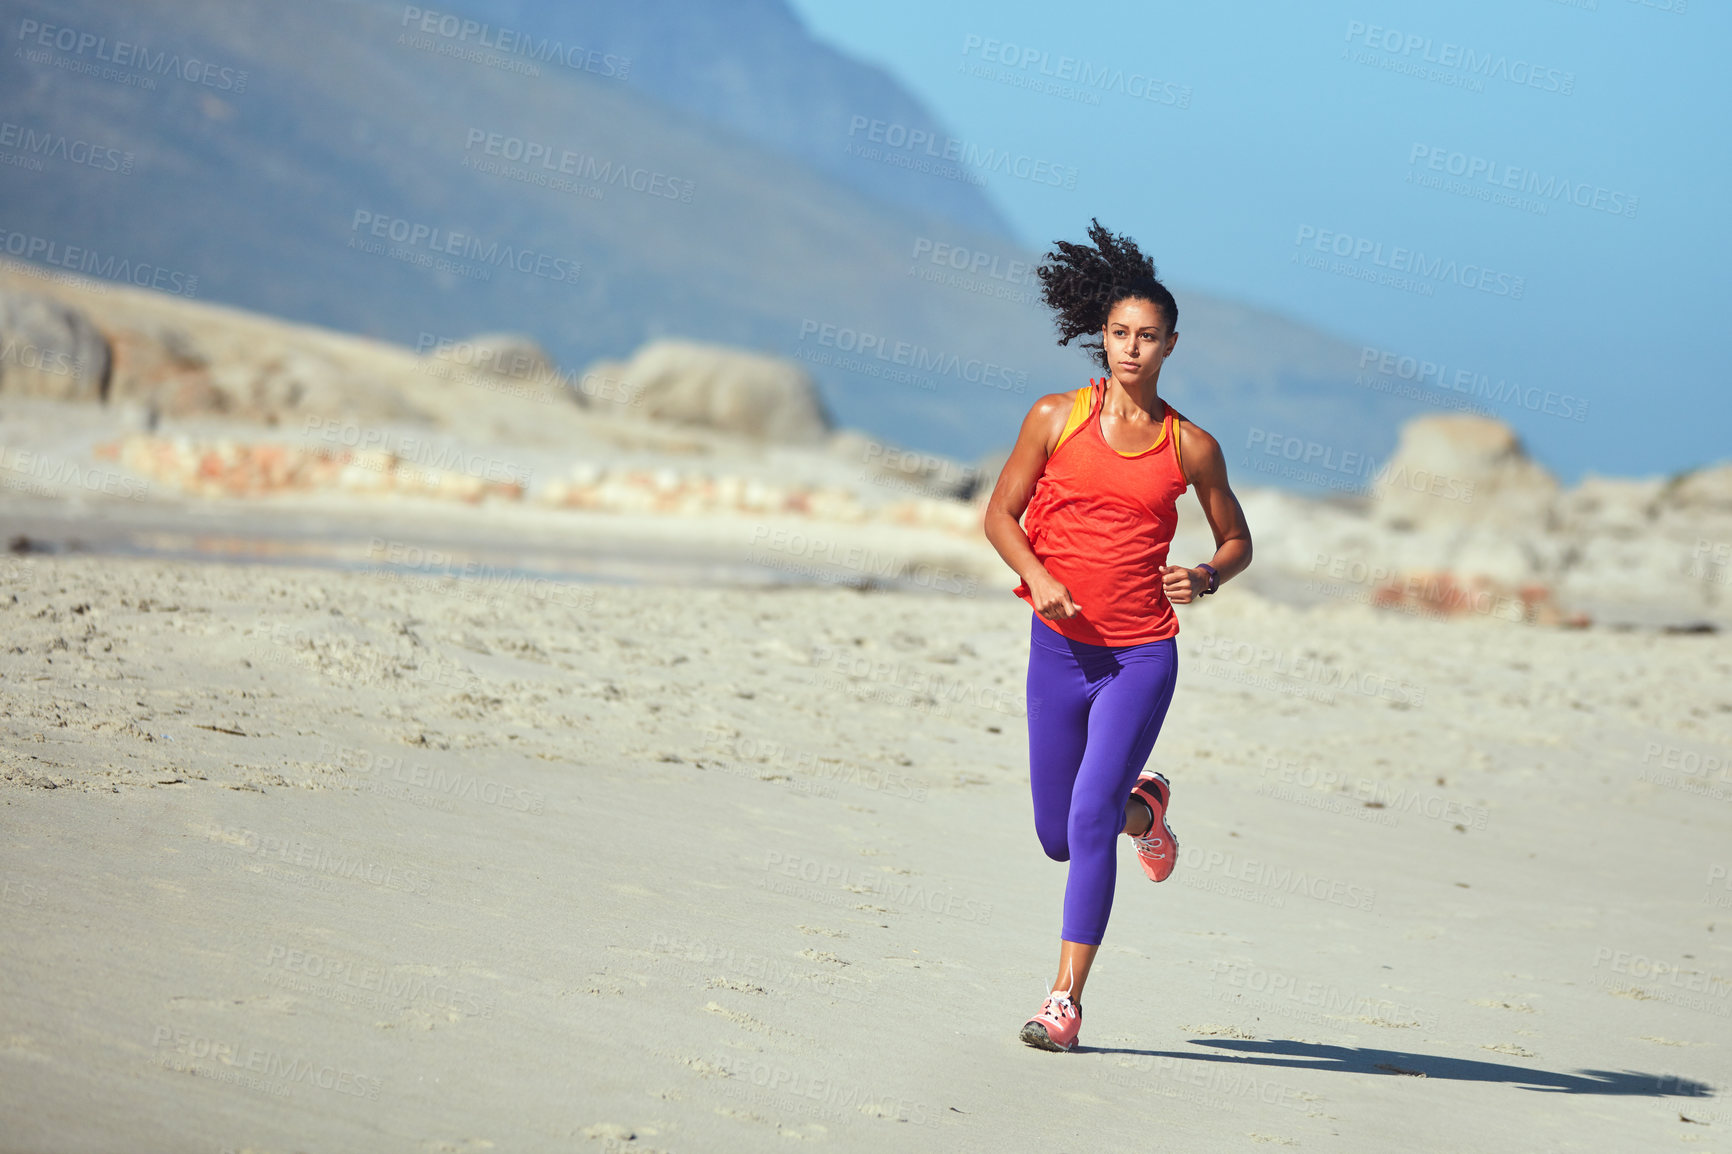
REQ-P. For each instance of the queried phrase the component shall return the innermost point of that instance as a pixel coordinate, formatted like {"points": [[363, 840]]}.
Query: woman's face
{"points": [[1136, 341]]}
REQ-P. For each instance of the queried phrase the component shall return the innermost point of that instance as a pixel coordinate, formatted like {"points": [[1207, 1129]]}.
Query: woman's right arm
{"points": [[1010, 497]]}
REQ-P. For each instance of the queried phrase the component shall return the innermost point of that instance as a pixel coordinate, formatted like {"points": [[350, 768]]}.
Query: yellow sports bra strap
{"points": [[1079, 413], [1173, 432]]}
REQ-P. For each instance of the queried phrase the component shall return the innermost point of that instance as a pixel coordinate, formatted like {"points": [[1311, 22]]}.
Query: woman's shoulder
{"points": [[1195, 444], [1062, 402], [1055, 402], [1055, 409], [1192, 433]]}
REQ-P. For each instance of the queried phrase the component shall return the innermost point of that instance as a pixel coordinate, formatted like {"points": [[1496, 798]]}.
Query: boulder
{"points": [[1618, 506], [509, 356], [1458, 470], [1706, 490], [716, 387], [165, 368], [603, 386], [904, 471], [51, 350]]}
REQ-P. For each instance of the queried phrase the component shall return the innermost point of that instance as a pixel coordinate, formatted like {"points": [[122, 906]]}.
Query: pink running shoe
{"points": [[1158, 849], [1056, 1026]]}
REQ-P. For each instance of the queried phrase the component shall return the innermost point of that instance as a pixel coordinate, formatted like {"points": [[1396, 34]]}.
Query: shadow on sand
{"points": [[1397, 1063]]}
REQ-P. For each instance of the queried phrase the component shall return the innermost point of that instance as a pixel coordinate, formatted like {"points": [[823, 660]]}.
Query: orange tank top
{"points": [[1101, 522]]}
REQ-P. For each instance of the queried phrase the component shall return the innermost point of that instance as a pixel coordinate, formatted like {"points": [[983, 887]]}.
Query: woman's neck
{"points": [[1146, 397]]}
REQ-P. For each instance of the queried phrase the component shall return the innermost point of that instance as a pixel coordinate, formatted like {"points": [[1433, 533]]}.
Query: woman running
{"points": [[1099, 472]]}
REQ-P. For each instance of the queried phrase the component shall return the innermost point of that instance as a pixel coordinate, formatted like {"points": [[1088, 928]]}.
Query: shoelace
{"points": [[1054, 1008]]}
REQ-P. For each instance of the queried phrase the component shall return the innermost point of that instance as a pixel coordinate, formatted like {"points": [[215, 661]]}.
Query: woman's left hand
{"points": [[1183, 585]]}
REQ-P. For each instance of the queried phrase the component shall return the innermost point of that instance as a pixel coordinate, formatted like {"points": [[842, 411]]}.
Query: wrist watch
{"points": [[1214, 579]]}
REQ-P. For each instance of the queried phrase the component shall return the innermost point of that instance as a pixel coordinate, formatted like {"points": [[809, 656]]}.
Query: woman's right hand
{"points": [[1051, 599]]}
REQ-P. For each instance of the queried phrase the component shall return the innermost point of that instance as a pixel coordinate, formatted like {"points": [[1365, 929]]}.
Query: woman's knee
{"points": [[1053, 841], [1092, 828]]}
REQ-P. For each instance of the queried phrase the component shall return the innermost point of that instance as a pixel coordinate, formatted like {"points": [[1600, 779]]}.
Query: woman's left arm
{"points": [[1206, 469]]}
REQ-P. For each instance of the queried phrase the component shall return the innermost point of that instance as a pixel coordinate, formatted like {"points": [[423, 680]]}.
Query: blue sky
{"points": [[1379, 170]]}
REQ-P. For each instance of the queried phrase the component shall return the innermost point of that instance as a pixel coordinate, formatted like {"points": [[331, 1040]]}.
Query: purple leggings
{"points": [[1093, 714]]}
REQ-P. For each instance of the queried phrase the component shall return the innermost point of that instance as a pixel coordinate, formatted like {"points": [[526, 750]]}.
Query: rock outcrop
{"points": [[49, 349], [1700, 491], [712, 386], [1456, 470], [505, 356], [905, 471]]}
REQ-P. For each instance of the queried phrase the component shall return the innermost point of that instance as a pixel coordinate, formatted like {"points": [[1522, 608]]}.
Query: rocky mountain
{"points": [[391, 171], [750, 67]]}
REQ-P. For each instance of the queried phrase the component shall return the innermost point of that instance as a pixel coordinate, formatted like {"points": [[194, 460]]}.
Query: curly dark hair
{"points": [[1081, 283]]}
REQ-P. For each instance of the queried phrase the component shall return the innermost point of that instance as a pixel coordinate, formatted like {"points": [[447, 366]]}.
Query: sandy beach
{"points": [[298, 859], [500, 649]]}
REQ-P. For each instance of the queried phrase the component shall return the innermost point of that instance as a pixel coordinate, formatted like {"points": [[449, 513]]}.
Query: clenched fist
{"points": [[1183, 585]]}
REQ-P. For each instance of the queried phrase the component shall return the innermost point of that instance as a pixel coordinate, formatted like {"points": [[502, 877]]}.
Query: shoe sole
{"points": [[1034, 1034]]}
